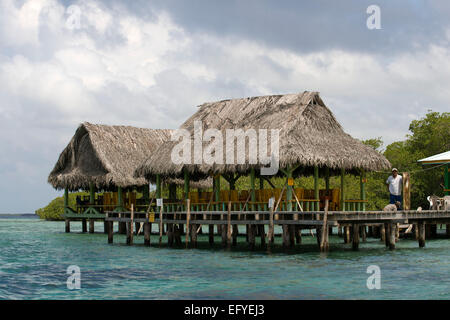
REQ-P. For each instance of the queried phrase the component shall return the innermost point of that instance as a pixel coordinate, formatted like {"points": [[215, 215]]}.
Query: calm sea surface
{"points": [[35, 255]]}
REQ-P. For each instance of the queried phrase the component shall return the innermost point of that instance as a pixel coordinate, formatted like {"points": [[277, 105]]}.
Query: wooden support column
{"points": [[110, 228], [421, 231], [392, 231], [406, 205], [288, 230], [316, 188], [387, 233], [363, 233], [66, 198], [355, 240], [120, 198], [147, 232], [91, 193], [84, 225], [347, 236], [217, 199], [122, 228], [251, 236], [67, 225], [447, 230], [91, 225], [383, 233]]}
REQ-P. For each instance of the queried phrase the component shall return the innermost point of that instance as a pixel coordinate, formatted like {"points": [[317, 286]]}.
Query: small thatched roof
{"points": [[309, 136], [106, 156]]}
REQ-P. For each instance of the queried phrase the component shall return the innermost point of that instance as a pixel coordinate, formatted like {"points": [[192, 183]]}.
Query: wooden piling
{"points": [[161, 226], [382, 233], [105, 227], [392, 233], [229, 229], [347, 236], [130, 227], [188, 221], [84, 225], [324, 238], [110, 229], [91, 225], [363, 233], [235, 234], [421, 231], [298, 235], [447, 230], [387, 233], [262, 235], [355, 240], [122, 228], [147, 231], [67, 225]]}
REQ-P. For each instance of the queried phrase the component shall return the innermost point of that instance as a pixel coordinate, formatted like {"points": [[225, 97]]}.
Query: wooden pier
{"points": [[261, 224]]}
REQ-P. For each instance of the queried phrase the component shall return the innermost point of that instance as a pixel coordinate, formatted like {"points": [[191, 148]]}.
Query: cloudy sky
{"points": [[150, 63]]}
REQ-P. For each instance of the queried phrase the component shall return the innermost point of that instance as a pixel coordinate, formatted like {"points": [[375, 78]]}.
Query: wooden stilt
{"points": [[262, 235], [324, 236], [340, 231], [285, 236], [355, 240], [177, 234], [383, 233], [105, 227], [170, 237], [392, 233], [421, 231], [147, 231], [397, 232], [298, 235], [363, 233], [91, 225], [211, 234], [447, 230], [67, 225], [251, 236], [188, 220], [110, 228], [122, 228], [224, 232], [346, 234], [291, 235], [387, 233], [84, 225], [235, 234], [229, 229], [194, 235]]}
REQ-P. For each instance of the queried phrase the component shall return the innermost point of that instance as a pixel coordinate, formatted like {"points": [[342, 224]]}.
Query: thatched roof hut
{"points": [[106, 156], [309, 136]]}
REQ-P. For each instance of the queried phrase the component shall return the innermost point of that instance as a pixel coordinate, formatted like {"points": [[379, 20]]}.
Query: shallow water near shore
{"points": [[35, 255]]}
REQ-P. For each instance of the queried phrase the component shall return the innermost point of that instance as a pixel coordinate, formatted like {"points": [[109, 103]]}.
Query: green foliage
{"points": [[55, 209]]}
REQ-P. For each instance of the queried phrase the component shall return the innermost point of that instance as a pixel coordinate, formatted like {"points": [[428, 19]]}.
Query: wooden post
{"points": [[84, 225], [91, 194], [161, 226], [251, 236], [91, 225], [120, 199], [355, 240], [383, 233], [447, 230], [110, 227], [229, 230], [327, 180], [130, 227], [271, 225], [316, 188], [188, 218], [347, 234], [122, 228], [406, 191], [67, 225], [147, 231], [421, 230], [392, 236], [217, 199], [66, 198], [363, 233], [324, 238]]}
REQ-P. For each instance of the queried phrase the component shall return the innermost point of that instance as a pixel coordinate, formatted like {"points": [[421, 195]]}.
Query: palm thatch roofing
{"points": [[309, 136], [106, 156]]}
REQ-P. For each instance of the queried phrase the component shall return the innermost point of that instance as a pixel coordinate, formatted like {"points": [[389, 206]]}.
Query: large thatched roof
{"points": [[105, 155], [309, 136]]}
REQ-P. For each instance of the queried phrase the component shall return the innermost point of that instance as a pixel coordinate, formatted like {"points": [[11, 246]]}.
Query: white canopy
{"points": [[443, 157]]}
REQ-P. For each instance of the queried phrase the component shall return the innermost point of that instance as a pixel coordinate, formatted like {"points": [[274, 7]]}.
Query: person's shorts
{"points": [[394, 198]]}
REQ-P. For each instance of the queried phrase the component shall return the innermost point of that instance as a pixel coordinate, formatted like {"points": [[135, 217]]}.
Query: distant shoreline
{"points": [[18, 215]]}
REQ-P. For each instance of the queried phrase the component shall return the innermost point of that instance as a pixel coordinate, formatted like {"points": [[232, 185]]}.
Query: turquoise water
{"points": [[35, 255]]}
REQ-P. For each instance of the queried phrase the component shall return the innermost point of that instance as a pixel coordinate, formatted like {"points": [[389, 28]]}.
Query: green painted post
{"points": [[447, 179], [289, 191], [316, 187], [252, 187], [327, 180], [342, 190], [186, 184], [362, 185], [119, 197], [92, 194], [217, 191], [66, 198], [158, 186]]}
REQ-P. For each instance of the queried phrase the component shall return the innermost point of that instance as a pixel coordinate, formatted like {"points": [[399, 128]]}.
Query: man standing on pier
{"points": [[394, 184]]}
